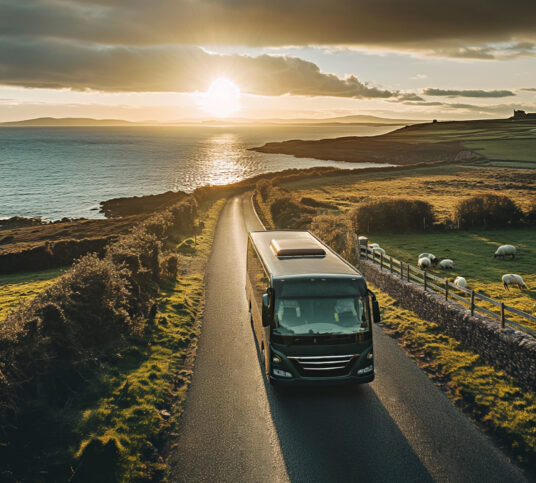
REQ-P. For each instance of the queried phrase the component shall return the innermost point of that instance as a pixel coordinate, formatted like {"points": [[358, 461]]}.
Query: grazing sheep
{"points": [[513, 279], [379, 250], [504, 251], [460, 282], [431, 256], [424, 263], [373, 246], [446, 264]]}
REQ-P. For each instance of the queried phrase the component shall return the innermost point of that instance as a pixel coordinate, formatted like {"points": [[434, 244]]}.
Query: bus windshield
{"points": [[318, 316]]}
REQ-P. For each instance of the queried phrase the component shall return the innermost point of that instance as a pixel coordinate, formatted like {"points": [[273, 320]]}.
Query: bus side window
{"points": [[256, 274]]}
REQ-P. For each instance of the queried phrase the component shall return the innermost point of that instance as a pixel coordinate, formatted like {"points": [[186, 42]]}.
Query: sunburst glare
{"points": [[222, 98]]}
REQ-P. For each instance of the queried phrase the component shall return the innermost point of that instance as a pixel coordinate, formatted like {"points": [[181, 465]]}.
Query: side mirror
{"points": [[376, 312], [376, 316], [265, 310]]}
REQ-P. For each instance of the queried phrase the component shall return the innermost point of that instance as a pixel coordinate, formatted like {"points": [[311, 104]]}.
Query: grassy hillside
{"points": [[492, 139], [19, 287]]}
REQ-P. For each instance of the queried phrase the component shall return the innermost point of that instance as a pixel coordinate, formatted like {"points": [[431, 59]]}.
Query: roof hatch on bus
{"points": [[301, 247]]}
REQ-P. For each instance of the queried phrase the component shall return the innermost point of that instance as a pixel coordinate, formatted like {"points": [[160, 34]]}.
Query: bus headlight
{"points": [[280, 373], [365, 370], [370, 356], [276, 359]]}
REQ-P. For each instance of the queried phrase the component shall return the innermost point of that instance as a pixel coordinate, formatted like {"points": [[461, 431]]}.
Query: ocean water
{"points": [[56, 172]]}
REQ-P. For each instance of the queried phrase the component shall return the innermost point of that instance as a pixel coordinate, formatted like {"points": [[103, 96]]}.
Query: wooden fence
{"points": [[468, 298]]}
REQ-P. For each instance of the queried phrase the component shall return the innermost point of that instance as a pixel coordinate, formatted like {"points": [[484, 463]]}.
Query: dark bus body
{"points": [[310, 309]]}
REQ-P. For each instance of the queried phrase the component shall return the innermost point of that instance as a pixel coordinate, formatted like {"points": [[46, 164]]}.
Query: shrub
{"points": [[487, 211], [264, 187], [530, 214], [337, 232], [288, 213], [170, 266], [397, 215]]}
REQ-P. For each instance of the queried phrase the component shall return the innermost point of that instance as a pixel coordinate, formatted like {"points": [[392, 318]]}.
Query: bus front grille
{"points": [[323, 366]]}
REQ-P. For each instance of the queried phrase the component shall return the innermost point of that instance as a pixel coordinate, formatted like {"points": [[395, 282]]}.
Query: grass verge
{"points": [[490, 397]]}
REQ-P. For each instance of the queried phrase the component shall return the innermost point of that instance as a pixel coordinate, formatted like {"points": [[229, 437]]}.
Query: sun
{"points": [[222, 98]]}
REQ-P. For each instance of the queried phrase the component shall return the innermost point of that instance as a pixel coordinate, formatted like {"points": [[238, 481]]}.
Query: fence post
{"points": [[401, 270], [502, 315], [381, 261], [472, 302], [391, 263], [446, 289], [409, 278], [424, 280]]}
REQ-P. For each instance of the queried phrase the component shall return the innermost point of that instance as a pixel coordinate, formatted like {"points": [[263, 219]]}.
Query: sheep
{"points": [[379, 250], [460, 282], [446, 264], [505, 250], [513, 279], [373, 246], [431, 256], [424, 263]]}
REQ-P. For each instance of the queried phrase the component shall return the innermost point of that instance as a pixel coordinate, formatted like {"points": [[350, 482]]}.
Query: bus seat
{"points": [[290, 316]]}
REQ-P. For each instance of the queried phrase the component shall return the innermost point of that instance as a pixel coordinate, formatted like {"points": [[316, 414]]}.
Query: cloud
{"points": [[457, 28], [467, 93], [528, 89], [60, 64], [409, 96]]}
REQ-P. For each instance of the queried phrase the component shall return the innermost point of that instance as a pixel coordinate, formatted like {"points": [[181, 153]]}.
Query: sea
{"points": [[56, 172]]}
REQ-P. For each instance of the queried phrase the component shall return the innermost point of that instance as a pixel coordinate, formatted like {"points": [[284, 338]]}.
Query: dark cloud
{"points": [[467, 93], [456, 26], [57, 64]]}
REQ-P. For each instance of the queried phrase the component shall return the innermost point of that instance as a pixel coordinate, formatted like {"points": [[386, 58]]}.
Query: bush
{"points": [[288, 213], [530, 214], [487, 211], [395, 215], [264, 187], [337, 232]]}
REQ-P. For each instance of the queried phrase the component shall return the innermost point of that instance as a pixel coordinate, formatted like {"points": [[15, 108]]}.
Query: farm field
{"points": [[472, 254], [440, 185], [23, 286]]}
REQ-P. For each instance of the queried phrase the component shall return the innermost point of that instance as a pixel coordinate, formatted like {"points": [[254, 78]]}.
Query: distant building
{"points": [[521, 115]]}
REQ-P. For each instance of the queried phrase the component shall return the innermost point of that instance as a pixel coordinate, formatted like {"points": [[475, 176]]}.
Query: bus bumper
{"points": [[322, 381]]}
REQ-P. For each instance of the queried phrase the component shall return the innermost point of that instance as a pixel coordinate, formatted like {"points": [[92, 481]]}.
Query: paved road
{"points": [[237, 429]]}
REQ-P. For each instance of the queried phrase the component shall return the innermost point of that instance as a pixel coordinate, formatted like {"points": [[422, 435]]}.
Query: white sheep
{"points": [[379, 250], [504, 251], [513, 279], [424, 263], [460, 282], [446, 264], [373, 245], [431, 256]]}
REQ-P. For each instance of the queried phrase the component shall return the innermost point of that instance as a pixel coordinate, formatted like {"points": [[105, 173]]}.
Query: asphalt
{"points": [[237, 428]]}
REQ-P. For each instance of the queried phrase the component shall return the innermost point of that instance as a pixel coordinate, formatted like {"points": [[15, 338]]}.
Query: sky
{"points": [[170, 60]]}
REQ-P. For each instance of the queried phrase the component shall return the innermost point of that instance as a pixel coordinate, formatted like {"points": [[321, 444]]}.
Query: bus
{"points": [[311, 310]]}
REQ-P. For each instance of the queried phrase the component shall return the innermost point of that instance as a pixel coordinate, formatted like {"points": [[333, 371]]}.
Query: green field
{"points": [[495, 139], [23, 286], [473, 259]]}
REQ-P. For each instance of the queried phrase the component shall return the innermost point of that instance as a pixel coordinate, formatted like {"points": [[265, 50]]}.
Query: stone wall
{"points": [[506, 349]]}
